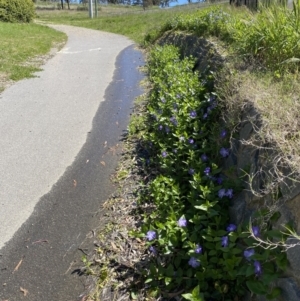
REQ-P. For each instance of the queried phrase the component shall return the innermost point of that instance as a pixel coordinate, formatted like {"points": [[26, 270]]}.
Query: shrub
{"points": [[16, 10]]}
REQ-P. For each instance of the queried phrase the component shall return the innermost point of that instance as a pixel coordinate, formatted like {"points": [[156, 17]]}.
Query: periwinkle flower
{"points": [[164, 154], [191, 141], [153, 250], [160, 127], [163, 100], [207, 171], [248, 253], [194, 262], [212, 97], [231, 228], [151, 235], [193, 114], [221, 193], [224, 152], [205, 115], [256, 231], [198, 249], [191, 171], [224, 241], [214, 104], [167, 129], [182, 222], [223, 133], [204, 158], [173, 120], [257, 268], [229, 193], [219, 180]]}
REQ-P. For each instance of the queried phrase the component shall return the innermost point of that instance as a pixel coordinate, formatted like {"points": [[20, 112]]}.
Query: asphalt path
{"points": [[60, 139]]}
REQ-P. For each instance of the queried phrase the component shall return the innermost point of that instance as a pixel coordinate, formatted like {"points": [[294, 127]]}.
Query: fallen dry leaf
{"points": [[102, 162], [18, 265], [74, 183], [113, 246], [40, 241], [24, 291]]}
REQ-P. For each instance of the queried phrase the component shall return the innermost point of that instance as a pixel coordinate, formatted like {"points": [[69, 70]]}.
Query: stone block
{"points": [[293, 255], [290, 289]]}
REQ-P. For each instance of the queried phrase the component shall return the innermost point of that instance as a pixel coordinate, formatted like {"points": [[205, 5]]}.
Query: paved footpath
{"points": [[56, 131]]}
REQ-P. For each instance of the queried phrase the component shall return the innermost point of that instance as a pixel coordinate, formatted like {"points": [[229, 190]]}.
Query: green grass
{"points": [[20, 45], [132, 22]]}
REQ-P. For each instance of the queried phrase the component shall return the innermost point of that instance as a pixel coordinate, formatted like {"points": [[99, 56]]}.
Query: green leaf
{"points": [[256, 287], [276, 292]]}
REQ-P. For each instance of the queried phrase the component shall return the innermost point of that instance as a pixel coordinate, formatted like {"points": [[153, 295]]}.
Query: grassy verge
{"points": [[131, 22], [23, 48]]}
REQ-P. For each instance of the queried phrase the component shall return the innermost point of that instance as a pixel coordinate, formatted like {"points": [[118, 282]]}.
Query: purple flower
{"points": [[151, 235], [163, 100], [205, 116], [153, 250], [248, 253], [191, 141], [191, 171], [224, 152], [194, 262], [229, 193], [257, 268], [223, 133], [160, 127], [182, 222], [193, 114], [173, 120], [198, 249], [221, 193], [224, 241], [164, 154], [231, 228], [212, 97], [219, 180], [207, 171], [214, 104], [204, 158], [167, 129], [255, 231]]}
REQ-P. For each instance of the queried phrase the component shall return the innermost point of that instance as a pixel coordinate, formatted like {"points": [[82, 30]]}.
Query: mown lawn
{"points": [[20, 45]]}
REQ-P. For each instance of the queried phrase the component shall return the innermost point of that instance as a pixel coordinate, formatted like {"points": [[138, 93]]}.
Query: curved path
{"points": [[59, 139]]}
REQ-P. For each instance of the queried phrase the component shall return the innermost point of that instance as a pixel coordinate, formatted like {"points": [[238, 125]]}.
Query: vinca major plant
{"points": [[194, 249]]}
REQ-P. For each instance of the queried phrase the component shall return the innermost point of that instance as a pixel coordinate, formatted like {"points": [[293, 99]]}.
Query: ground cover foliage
{"points": [[194, 247]]}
